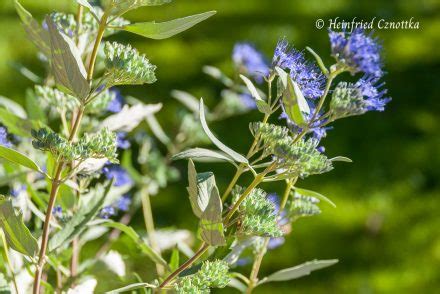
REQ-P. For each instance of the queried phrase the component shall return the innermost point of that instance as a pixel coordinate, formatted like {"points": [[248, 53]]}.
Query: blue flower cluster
{"points": [[116, 104], [4, 141], [358, 51], [306, 74], [373, 95], [118, 173], [248, 60], [122, 204]]}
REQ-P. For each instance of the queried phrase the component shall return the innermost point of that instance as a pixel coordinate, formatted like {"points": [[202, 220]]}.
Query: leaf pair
{"points": [[207, 205], [294, 103]]}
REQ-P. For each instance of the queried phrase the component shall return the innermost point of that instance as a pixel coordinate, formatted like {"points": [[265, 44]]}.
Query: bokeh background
{"points": [[386, 228]]}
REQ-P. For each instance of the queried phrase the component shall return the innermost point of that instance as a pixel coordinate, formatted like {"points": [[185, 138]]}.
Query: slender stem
{"points": [[45, 237], [75, 258], [233, 182], [101, 30], [253, 278], [149, 224], [79, 16], [187, 264], [8, 261]]}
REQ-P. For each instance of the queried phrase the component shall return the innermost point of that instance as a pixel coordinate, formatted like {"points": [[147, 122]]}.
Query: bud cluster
{"points": [[258, 215], [99, 145], [126, 66], [212, 274], [299, 158], [301, 206]]}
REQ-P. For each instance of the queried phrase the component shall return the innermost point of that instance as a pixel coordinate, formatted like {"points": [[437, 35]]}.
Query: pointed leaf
{"points": [[145, 248], [18, 158], [67, 65], [132, 287], [202, 154], [163, 30], [314, 194], [261, 104], [122, 6], [298, 271], [234, 155], [33, 29], [78, 222], [199, 188], [341, 158], [318, 60], [174, 259], [211, 224], [186, 99], [17, 234], [13, 107]]}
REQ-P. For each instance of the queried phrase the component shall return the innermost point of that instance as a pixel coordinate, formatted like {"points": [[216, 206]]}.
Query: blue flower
{"points": [[306, 74], [121, 141], [248, 102], [107, 212], [124, 202], [118, 173], [275, 243], [57, 211], [116, 104], [16, 191], [250, 61], [358, 51], [373, 95], [4, 141]]}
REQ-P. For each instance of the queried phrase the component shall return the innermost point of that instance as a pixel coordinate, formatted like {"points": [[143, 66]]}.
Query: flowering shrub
{"points": [[78, 157]]}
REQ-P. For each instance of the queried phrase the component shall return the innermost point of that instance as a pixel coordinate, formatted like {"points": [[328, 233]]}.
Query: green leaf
{"points": [[204, 155], [174, 259], [186, 99], [36, 33], [341, 158], [306, 192], [78, 222], [119, 7], [318, 60], [217, 74], [17, 125], [92, 10], [67, 66], [199, 189], [163, 30], [294, 103], [145, 248], [157, 129], [17, 234], [234, 155], [13, 107], [211, 223], [261, 104], [18, 158], [298, 271], [132, 287]]}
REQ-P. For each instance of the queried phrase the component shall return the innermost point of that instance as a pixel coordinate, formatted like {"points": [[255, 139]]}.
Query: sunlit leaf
{"points": [[18, 158], [119, 7], [202, 154], [341, 158], [17, 234], [36, 33], [298, 271], [199, 188], [163, 30], [314, 194], [67, 66], [261, 104], [211, 224], [319, 61], [174, 259], [234, 155]]}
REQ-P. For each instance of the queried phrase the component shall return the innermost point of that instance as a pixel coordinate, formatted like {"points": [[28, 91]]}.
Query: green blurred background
{"points": [[386, 228]]}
